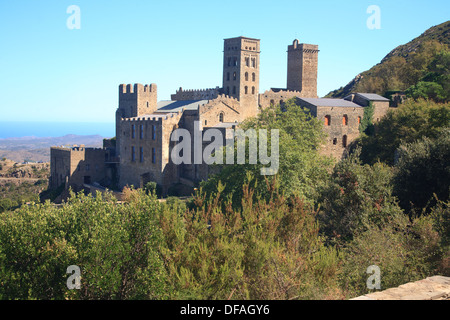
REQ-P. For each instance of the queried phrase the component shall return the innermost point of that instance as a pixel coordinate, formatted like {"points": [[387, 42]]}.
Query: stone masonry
{"points": [[141, 150]]}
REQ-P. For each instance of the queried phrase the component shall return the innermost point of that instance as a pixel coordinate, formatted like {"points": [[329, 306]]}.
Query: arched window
{"points": [[221, 117], [234, 75], [344, 141], [327, 120], [247, 62], [345, 120], [246, 89], [253, 77], [246, 76], [359, 119], [228, 90], [234, 89], [253, 90]]}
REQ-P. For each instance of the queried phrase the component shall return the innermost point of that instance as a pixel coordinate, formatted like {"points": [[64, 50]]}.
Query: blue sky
{"points": [[50, 72]]}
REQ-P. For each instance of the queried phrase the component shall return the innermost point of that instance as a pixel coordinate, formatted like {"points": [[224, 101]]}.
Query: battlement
{"points": [[307, 48], [195, 94], [137, 88], [153, 118]]}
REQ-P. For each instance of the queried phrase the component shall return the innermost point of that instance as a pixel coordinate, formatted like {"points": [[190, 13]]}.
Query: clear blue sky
{"points": [[50, 72]]}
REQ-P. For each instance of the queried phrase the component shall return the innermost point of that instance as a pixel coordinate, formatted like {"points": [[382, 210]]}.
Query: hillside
{"points": [[421, 65]]}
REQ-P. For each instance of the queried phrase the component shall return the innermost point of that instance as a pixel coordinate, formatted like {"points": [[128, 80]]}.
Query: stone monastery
{"points": [[140, 152]]}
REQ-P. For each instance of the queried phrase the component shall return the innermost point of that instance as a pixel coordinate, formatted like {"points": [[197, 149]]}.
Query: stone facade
{"points": [[74, 167], [141, 151]]}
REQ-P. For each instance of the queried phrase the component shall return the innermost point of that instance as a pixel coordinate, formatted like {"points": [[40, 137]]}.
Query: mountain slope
{"points": [[406, 66]]}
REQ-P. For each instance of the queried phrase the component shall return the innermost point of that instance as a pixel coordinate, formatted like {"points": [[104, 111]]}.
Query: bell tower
{"points": [[241, 72]]}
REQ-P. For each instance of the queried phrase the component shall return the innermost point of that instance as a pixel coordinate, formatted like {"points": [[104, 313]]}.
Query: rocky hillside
{"points": [[408, 66]]}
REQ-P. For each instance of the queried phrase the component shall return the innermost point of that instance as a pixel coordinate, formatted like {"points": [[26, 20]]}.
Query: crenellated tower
{"points": [[302, 68], [134, 101], [241, 72]]}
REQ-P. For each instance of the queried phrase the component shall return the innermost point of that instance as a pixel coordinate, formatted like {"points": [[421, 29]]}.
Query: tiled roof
{"points": [[330, 102], [173, 106], [372, 97]]}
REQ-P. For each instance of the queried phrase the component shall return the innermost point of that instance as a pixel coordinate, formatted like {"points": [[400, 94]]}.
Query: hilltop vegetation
{"points": [[420, 68]]}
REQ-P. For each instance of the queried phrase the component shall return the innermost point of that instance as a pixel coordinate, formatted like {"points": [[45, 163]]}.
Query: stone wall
{"points": [[302, 68]]}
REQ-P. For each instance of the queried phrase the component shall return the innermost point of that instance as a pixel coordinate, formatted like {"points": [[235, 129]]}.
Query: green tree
{"points": [[423, 172], [356, 197], [407, 123], [301, 167]]}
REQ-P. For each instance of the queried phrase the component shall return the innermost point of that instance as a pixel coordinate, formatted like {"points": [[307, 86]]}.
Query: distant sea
{"points": [[17, 129]]}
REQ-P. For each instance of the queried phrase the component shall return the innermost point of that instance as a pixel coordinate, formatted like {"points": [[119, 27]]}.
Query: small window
{"points": [[335, 141], [327, 120], [133, 131], [345, 120], [253, 62], [206, 122], [87, 167], [246, 89], [234, 75], [344, 141], [228, 90], [359, 119], [221, 117], [153, 132], [272, 102], [133, 154], [228, 76], [247, 62], [246, 76], [141, 132], [253, 77], [141, 154], [234, 89], [253, 90], [153, 155]]}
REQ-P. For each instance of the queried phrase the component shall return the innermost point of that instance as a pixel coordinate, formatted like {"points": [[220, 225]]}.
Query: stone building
{"points": [[141, 150]]}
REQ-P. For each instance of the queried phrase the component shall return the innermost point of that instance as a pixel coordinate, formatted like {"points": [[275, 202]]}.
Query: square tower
{"points": [[302, 68], [241, 72]]}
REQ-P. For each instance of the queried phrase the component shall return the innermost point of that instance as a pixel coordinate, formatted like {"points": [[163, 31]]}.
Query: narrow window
{"points": [[221, 117], [206, 122], [253, 77], [141, 154], [228, 76], [133, 131], [335, 141], [234, 75], [345, 120], [235, 62], [246, 76], [344, 141], [228, 90], [229, 61], [253, 90], [247, 62], [153, 132], [133, 154], [359, 119], [153, 155], [87, 167], [253, 62], [234, 89], [246, 89], [141, 132], [327, 120]]}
